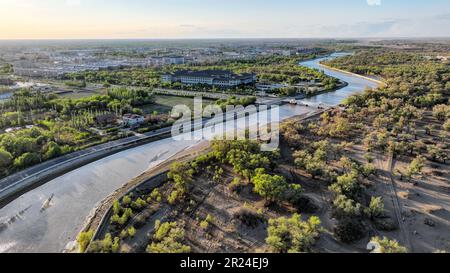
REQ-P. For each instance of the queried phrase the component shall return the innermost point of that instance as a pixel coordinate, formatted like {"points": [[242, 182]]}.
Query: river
{"points": [[26, 227], [355, 84]]}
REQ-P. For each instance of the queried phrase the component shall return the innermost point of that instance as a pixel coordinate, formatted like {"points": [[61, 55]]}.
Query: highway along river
{"points": [[32, 224]]}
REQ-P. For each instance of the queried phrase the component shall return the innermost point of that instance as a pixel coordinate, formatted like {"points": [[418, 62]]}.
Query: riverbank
{"points": [[381, 83], [340, 86]]}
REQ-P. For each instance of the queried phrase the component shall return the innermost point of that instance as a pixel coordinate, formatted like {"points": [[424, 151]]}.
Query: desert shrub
{"points": [[123, 234], [168, 238], [154, 196], [345, 207], [126, 201], [102, 246], [174, 197], [349, 230], [385, 224], [248, 217], [181, 174], [115, 247], [205, 224], [446, 125], [138, 205], [304, 205], [236, 185], [368, 169]]}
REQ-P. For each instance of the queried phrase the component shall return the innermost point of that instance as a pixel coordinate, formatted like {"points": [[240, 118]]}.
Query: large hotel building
{"points": [[221, 78]]}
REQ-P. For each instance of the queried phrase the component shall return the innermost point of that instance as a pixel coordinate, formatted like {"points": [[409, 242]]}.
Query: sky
{"points": [[176, 19]]}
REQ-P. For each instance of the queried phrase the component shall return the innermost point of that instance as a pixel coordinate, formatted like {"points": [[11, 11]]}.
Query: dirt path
{"points": [[386, 164], [398, 206]]}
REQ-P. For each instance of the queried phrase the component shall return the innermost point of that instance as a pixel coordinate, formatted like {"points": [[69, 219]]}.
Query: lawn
{"points": [[164, 104]]}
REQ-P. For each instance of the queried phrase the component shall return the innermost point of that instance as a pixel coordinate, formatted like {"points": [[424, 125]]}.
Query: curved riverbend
{"points": [[25, 226], [356, 84]]}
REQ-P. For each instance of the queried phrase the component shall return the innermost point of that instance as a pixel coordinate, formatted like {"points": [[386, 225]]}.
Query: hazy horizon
{"points": [[214, 19]]}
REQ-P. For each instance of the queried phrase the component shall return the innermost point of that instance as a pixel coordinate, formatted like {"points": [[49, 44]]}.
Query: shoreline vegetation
{"points": [[381, 82]]}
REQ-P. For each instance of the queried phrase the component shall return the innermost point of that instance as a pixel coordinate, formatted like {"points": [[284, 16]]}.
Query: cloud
{"points": [[187, 26], [374, 2], [73, 3], [428, 26], [359, 29]]}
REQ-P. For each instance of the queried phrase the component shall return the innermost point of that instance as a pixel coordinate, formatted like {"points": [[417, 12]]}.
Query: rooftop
{"points": [[218, 74]]}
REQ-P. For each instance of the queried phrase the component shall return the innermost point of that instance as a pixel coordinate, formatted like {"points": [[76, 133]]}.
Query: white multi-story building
{"points": [[221, 78]]}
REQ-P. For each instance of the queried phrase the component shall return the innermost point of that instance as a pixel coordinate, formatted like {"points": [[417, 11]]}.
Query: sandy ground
{"points": [[426, 208], [420, 209], [97, 213]]}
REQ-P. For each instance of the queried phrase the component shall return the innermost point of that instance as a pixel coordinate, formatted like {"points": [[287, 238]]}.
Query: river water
{"points": [[5, 96], [26, 227], [355, 84]]}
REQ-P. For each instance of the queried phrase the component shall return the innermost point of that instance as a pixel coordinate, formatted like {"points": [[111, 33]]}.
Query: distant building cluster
{"points": [[167, 60], [62, 66], [42, 61], [221, 78]]}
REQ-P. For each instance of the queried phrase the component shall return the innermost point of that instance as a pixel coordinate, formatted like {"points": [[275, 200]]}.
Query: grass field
{"points": [[79, 95], [164, 104]]}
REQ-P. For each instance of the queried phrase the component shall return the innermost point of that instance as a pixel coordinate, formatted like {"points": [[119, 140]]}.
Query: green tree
{"points": [[53, 150], [271, 187], [126, 201], [83, 240], [182, 175], [388, 246], [292, 235], [131, 231], [415, 167], [5, 158], [345, 207], [346, 184], [115, 247], [116, 207], [376, 207], [26, 160]]}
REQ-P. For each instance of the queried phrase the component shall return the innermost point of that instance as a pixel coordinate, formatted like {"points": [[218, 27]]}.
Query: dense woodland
{"points": [[52, 126]]}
